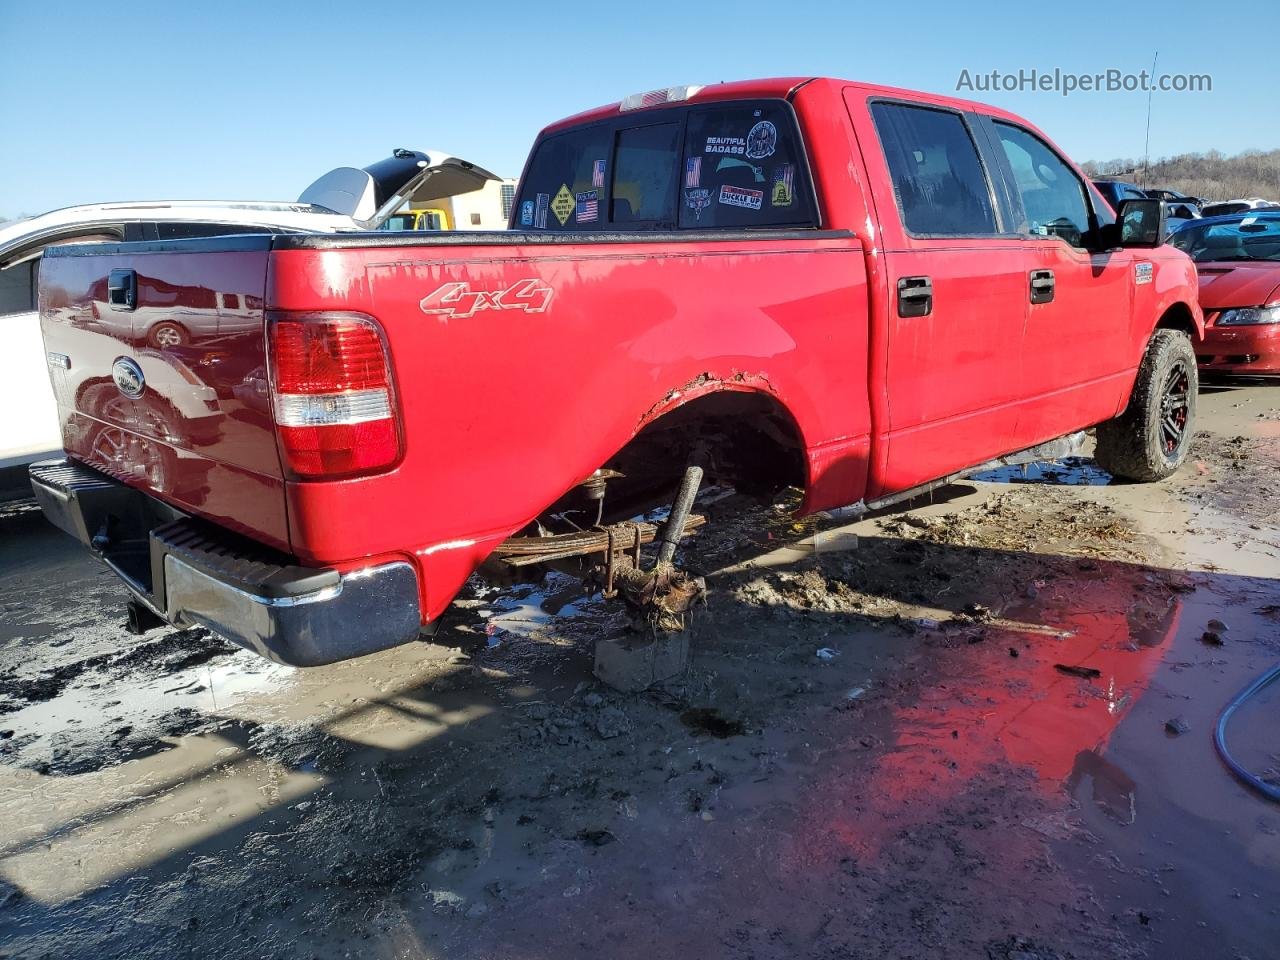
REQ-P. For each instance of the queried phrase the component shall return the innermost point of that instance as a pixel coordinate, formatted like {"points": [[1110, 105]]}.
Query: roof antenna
{"points": [[1146, 143]]}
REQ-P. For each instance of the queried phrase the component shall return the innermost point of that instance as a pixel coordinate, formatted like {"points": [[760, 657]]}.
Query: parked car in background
{"points": [[486, 209], [1223, 207], [857, 290], [1116, 192], [1178, 206], [343, 200], [1173, 196], [1238, 259]]}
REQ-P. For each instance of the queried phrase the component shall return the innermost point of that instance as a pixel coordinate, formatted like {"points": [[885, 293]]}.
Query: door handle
{"points": [[122, 289], [1041, 286], [915, 296]]}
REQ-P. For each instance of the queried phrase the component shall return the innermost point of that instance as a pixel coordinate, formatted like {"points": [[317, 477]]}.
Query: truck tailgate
{"points": [[157, 354]]}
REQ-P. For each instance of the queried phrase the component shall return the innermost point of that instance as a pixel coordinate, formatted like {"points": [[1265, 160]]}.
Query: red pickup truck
{"points": [[854, 289]]}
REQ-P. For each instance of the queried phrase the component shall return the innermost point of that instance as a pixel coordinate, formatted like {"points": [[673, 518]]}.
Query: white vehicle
{"points": [[345, 199]]}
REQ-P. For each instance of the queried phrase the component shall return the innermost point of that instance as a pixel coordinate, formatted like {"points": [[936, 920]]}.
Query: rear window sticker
{"points": [[562, 204], [725, 145], [540, 211], [741, 197], [783, 191], [587, 207], [762, 141], [693, 172], [597, 173], [526, 214], [697, 200]]}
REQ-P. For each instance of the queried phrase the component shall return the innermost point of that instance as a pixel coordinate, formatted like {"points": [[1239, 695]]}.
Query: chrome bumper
{"points": [[190, 573]]}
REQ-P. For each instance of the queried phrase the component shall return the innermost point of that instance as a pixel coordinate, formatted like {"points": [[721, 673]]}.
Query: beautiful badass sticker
{"points": [[597, 173], [1142, 271], [697, 200], [540, 211], [526, 214], [741, 197], [693, 172], [762, 140], [587, 208], [783, 186], [725, 145], [457, 300], [562, 204]]}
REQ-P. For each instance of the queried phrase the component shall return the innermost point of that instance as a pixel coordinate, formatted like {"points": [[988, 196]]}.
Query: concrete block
{"points": [[631, 664]]}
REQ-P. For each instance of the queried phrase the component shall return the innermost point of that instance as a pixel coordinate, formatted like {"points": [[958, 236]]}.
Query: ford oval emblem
{"points": [[128, 377]]}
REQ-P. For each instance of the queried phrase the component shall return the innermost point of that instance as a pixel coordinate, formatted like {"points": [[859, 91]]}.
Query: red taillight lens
{"points": [[333, 394]]}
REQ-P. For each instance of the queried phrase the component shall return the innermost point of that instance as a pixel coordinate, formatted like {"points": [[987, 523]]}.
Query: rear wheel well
{"points": [[744, 440]]}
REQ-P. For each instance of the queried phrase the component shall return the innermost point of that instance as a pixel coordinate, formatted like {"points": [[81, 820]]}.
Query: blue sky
{"points": [[253, 100]]}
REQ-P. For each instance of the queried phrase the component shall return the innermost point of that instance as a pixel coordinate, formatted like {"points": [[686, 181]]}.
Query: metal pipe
{"points": [[673, 529]]}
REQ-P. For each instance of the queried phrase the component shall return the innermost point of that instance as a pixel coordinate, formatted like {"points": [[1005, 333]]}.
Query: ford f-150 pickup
{"points": [[853, 289]]}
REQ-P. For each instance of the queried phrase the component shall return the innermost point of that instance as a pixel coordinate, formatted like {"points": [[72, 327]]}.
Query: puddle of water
{"points": [[1069, 472], [111, 713]]}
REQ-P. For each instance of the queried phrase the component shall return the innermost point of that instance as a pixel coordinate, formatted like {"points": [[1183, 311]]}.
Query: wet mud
{"points": [[980, 728]]}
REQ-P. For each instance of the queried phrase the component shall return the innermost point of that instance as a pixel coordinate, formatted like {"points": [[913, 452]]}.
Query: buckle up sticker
{"points": [[741, 197]]}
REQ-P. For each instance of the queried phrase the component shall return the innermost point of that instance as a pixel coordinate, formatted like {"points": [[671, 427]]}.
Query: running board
{"points": [[1068, 446]]}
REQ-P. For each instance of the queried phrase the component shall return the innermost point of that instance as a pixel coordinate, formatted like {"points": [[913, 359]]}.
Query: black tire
{"points": [[1149, 441]]}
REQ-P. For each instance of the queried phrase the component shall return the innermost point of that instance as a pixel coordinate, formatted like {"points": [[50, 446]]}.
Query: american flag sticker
{"points": [[540, 211], [693, 172], [587, 208], [597, 173]]}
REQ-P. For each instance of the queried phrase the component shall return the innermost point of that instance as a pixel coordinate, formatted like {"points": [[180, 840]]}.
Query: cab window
{"points": [[744, 167], [568, 169], [1053, 198], [938, 179], [644, 168]]}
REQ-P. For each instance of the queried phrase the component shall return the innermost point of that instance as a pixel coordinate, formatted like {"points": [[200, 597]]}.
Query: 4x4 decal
{"points": [[458, 300]]}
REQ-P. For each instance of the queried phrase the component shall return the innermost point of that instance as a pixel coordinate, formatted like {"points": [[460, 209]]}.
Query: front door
{"points": [[956, 288], [1078, 347]]}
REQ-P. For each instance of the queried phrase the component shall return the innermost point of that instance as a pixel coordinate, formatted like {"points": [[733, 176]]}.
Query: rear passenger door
{"points": [[957, 290], [1078, 347]]}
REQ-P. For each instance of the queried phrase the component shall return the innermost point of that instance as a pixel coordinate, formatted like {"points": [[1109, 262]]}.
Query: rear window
{"points": [[567, 166], [744, 168], [736, 165], [18, 288], [644, 172]]}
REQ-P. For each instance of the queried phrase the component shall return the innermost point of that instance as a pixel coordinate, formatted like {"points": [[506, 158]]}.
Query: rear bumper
{"points": [[190, 573], [1241, 350]]}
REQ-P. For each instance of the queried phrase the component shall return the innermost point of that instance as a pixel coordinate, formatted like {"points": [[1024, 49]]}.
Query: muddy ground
{"points": [[875, 752]]}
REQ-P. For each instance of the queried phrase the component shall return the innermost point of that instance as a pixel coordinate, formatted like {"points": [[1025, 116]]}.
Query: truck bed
{"points": [[522, 362]]}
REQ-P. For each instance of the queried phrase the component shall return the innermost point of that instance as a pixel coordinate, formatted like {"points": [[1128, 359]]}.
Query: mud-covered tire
{"points": [[1149, 440]]}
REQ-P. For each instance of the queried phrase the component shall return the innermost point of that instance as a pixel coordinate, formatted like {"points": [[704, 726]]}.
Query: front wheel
{"points": [[1149, 440]]}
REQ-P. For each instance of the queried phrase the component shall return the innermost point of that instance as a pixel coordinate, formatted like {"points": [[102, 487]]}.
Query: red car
{"points": [[858, 290], [1238, 259]]}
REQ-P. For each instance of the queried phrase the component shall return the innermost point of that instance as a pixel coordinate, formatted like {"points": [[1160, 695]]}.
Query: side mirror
{"points": [[1140, 223]]}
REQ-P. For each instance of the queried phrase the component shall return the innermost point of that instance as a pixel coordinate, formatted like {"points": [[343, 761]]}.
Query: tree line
{"points": [[1210, 175]]}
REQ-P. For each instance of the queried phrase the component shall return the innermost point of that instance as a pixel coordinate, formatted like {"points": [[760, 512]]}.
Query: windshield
{"points": [[401, 221], [1247, 237]]}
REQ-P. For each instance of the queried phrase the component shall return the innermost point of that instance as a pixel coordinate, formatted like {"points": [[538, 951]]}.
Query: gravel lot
{"points": [[874, 752]]}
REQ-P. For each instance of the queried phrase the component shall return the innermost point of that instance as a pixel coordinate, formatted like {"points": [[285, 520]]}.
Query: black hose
{"points": [[1268, 790]]}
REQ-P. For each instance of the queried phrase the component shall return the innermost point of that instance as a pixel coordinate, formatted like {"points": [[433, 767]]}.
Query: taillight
{"points": [[333, 394]]}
